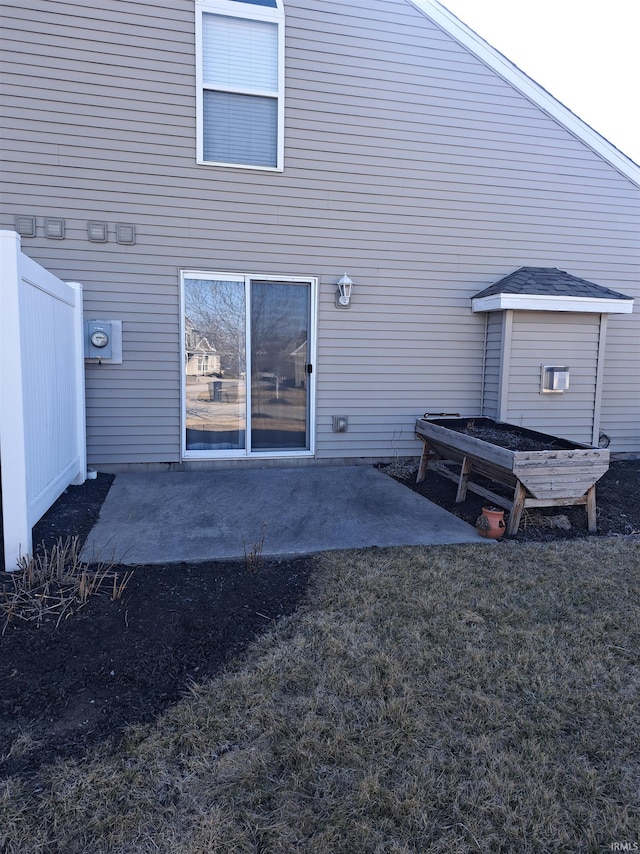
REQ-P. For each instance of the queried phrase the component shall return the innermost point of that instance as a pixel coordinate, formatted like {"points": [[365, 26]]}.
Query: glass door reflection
{"points": [[280, 318], [215, 364]]}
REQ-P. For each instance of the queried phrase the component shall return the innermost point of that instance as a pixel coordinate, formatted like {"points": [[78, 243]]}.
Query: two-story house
{"points": [[223, 165]]}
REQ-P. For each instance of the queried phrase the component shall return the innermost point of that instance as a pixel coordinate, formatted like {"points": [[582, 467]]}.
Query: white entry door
{"points": [[248, 365]]}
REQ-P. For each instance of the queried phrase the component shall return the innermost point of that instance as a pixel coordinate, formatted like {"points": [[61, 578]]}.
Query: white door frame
{"points": [[247, 278]]}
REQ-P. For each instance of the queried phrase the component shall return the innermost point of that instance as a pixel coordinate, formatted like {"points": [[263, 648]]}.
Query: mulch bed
{"points": [[116, 663], [617, 504]]}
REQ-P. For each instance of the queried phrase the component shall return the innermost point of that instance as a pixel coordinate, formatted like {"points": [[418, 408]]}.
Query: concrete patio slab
{"points": [[155, 518]]}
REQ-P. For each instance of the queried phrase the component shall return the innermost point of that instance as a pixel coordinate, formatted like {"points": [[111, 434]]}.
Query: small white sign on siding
{"points": [[42, 410]]}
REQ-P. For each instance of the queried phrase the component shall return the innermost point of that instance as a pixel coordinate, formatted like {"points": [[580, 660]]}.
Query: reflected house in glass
{"points": [[299, 358], [201, 358]]}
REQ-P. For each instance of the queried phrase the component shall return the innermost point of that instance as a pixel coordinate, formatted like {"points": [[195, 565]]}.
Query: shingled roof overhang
{"points": [[549, 289]]}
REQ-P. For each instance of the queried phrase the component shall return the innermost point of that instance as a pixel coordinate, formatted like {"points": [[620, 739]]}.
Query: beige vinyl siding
{"points": [[493, 362], [620, 417], [408, 163], [554, 338]]}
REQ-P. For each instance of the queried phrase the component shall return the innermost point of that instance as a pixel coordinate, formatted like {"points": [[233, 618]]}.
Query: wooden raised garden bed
{"points": [[542, 470]]}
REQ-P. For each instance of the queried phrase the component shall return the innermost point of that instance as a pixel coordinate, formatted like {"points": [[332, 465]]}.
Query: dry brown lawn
{"points": [[440, 699]]}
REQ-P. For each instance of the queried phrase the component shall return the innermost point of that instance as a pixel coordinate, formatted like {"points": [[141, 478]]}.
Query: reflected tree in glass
{"points": [[216, 403]]}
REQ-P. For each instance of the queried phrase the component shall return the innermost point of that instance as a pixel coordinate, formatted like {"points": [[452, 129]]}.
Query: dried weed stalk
{"points": [[253, 558], [56, 583]]}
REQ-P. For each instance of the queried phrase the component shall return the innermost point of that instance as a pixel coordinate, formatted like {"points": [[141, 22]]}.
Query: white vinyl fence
{"points": [[42, 414]]}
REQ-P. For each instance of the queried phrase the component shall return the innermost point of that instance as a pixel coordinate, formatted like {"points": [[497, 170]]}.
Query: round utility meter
{"points": [[99, 338]]}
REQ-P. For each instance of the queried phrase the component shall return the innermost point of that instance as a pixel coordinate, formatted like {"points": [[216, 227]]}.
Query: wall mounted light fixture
{"points": [[343, 294]]}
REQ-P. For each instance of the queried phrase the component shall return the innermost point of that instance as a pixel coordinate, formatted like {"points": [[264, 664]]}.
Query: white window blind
{"points": [[240, 54]]}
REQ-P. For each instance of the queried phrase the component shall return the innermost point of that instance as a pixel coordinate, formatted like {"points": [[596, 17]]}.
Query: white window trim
{"points": [[247, 11], [247, 452]]}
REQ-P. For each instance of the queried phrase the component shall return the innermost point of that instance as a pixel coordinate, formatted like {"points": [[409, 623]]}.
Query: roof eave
{"points": [[463, 34], [542, 302]]}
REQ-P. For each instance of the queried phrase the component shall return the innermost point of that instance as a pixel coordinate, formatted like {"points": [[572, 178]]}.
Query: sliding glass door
{"points": [[248, 370]]}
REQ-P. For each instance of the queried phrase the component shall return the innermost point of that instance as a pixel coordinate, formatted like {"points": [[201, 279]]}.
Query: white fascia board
{"points": [[531, 302], [509, 72]]}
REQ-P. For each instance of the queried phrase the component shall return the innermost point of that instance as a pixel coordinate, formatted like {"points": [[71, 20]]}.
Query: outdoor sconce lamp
{"points": [[343, 294]]}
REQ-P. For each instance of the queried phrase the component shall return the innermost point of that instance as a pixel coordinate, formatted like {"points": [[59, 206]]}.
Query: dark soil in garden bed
{"points": [[505, 436], [115, 663]]}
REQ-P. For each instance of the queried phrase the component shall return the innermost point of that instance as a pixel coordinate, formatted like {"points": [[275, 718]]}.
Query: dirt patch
{"points": [[116, 663]]}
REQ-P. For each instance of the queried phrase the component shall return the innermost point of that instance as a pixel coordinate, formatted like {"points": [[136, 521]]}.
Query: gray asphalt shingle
{"points": [[548, 281]]}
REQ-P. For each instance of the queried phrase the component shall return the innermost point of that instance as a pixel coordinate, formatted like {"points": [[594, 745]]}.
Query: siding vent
{"points": [[26, 226], [54, 228], [97, 232], [554, 379], [125, 233]]}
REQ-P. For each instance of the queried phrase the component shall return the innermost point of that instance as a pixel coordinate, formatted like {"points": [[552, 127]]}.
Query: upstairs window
{"points": [[240, 71]]}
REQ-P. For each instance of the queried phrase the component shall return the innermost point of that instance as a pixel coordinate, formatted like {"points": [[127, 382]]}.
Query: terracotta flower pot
{"points": [[491, 523]]}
